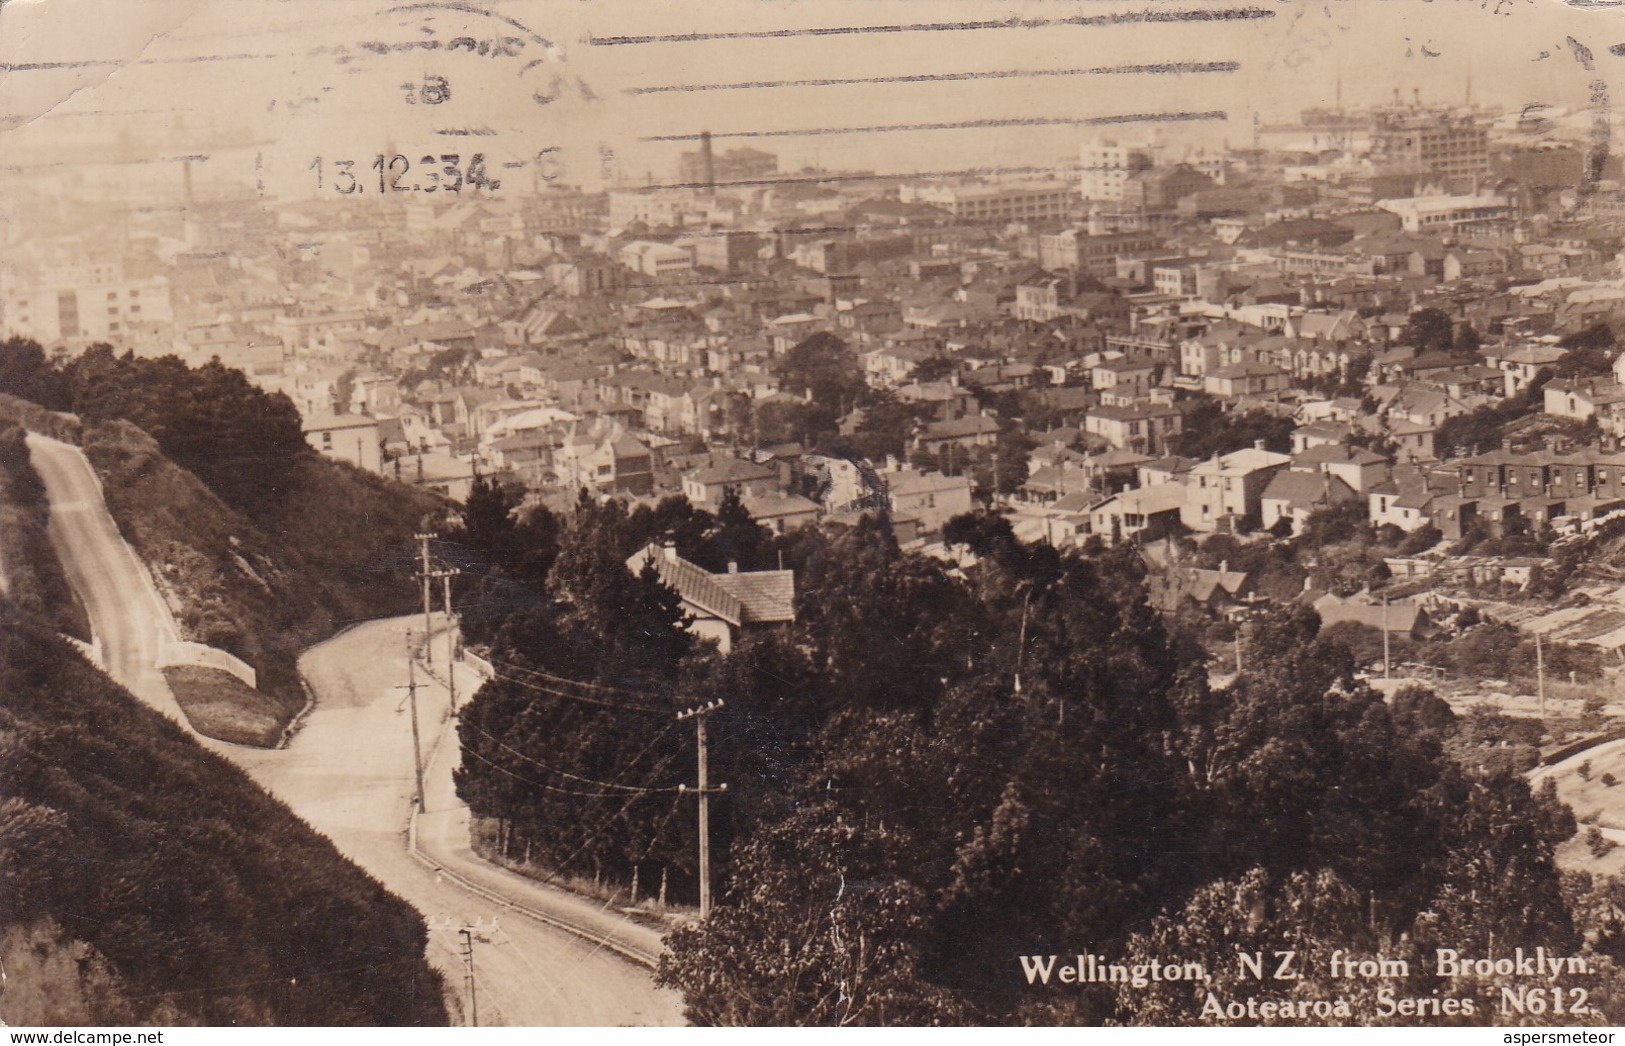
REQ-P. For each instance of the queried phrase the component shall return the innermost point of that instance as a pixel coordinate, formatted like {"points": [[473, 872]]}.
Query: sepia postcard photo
{"points": [[902, 513]]}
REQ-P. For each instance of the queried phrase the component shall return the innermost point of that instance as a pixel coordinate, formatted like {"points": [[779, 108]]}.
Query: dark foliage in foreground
{"points": [[935, 772]]}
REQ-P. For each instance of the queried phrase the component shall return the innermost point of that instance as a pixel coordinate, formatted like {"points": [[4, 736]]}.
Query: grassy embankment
{"points": [[333, 547], [30, 574], [146, 881]]}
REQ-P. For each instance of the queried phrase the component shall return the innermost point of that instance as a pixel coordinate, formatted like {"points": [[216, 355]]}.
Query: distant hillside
{"points": [[146, 881], [330, 546]]}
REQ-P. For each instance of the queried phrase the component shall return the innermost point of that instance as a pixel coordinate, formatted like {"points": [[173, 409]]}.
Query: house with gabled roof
{"points": [[1327, 326], [1360, 468], [1216, 591], [967, 432], [1520, 364], [720, 607], [1229, 487], [1400, 617], [705, 486], [1149, 512], [604, 460], [782, 513], [931, 498], [1583, 398], [1295, 496]]}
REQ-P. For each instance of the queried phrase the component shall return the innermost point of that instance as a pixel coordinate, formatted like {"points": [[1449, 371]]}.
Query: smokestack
{"points": [[708, 164]]}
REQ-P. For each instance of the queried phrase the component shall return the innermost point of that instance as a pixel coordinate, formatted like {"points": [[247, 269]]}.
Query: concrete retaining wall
{"points": [[180, 652], [483, 668]]}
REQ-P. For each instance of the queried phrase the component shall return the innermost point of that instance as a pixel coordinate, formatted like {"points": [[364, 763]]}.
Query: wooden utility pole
{"points": [[1385, 658], [468, 964], [445, 577], [1540, 674], [424, 574], [1021, 639], [411, 689], [704, 790]]}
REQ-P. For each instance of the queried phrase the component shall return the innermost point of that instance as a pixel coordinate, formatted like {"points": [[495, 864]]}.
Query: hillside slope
{"points": [[30, 575], [333, 547], [208, 901]]}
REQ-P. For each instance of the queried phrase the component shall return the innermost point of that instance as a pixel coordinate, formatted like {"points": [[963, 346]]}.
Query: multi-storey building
{"points": [[1105, 167], [983, 202], [81, 303], [1445, 143], [1075, 250]]}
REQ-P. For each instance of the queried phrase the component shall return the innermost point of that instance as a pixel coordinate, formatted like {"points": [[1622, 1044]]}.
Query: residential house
{"points": [[1413, 440], [1143, 513], [1520, 364], [1583, 398], [1170, 469], [891, 365], [346, 437], [965, 433], [930, 497], [705, 487], [1123, 374], [721, 607], [1319, 434], [1400, 617], [1245, 378], [605, 460], [1294, 496], [1358, 467], [782, 513], [1405, 502], [1230, 487], [1214, 591], [1144, 428]]}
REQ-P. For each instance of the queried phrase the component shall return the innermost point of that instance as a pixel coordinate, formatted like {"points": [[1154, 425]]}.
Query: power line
{"points": [[619, 813], [582, 683], [499, 768], [555, 770], [586, 699], [579, 698]]}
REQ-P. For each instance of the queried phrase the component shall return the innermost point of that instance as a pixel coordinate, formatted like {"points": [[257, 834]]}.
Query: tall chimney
{"points": [[708, 164]]}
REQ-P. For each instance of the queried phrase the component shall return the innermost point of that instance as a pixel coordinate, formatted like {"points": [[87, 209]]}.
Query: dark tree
{"points": [[1430, 330], [26, 373], [1209, 430]]}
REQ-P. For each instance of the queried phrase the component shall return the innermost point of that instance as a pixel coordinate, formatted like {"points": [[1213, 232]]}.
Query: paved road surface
{"points": [[349, 773], [125, 614]]}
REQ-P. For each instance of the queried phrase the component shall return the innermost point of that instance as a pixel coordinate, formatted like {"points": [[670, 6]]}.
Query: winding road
{"points": [[349, 773]]}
